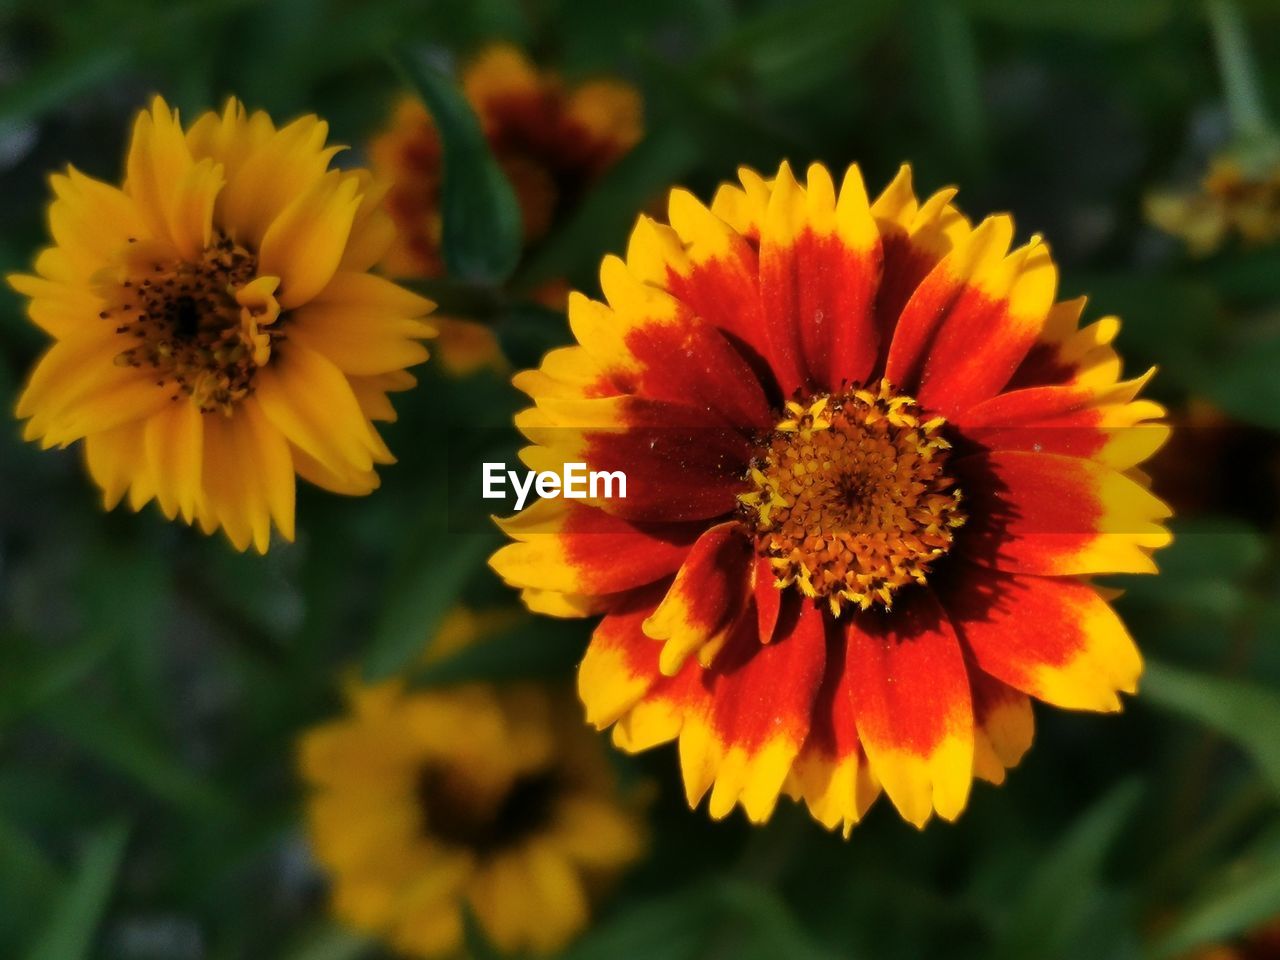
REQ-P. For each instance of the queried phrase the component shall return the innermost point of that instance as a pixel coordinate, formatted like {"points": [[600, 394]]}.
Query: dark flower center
{"points": [[183, 321], [851, 498], [454, 815]]}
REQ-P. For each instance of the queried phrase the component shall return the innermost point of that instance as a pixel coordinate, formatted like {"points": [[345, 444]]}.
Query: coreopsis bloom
{"points": [[872, 466], [1233, 197], [495, 800], [216, 330], [551, 140]]}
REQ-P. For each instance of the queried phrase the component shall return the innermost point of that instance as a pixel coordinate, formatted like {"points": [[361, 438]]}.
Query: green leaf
{"points": [[132, 750], [608, 211], [69, 928], [455, 299], [1242, 899], [477, 943], [791, 48], [28, 881], [947, 60], [1242, 381], [1103, 18], [772, 929], [57, 81], [1205, 570], [425, 591], [1167, 320], [1059, 894], [716, 112], [530, 648], [1247, 714], [673, 926], [329, 942], [526, 331], [482, 230], [25, 687]]}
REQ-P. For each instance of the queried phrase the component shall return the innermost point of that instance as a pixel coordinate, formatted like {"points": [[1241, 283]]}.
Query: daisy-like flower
{"points": [[1234, 197], [551, 140], [495, 800], [871, 464], [216, 330]]}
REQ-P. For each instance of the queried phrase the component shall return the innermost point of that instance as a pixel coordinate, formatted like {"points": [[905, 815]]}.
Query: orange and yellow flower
{"points": [[493, 800], [216, 330], [872, 468], [551, 140]]}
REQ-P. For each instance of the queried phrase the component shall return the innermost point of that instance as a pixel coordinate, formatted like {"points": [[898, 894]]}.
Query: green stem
{"points": [[1248, 113]]}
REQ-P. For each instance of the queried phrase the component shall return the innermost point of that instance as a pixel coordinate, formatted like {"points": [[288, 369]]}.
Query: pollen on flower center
{"points": [[203, 327], [851, 498]]}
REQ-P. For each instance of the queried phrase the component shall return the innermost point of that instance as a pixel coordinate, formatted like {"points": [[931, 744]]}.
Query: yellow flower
{"points": [[1243, 198], [552, 142], [216, 330], [494, 800]]}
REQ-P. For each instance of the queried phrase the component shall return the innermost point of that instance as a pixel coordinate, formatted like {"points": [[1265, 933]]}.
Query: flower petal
{"points": [[989, 330], [1054, 638], [758, 716], [309, 400], [707, 598], [577, 549], [679, 464], [650, 344], [173, 194], [1003, 725], [1041, 513], [174, 447], [823, 284], [91, 221], [268, 170], [784, 222], [621, 662], [956, 284], [249, 476], [113, 457], [831, 773], [914, 714], [304, 244]]}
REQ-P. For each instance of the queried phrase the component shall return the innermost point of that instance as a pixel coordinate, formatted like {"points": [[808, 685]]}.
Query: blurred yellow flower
{"points": [[216, 329], [1232, 197], [552, 141], [495, 800]]}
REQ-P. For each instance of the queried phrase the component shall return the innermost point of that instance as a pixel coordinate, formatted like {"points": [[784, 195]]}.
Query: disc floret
{"points": [[850, 497]]}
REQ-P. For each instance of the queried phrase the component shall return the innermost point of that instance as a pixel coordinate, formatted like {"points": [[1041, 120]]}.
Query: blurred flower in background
{"points": [[494, 800], [1237, 196], [551, 140], [899, 460], [216, 328], [1239, 192]]}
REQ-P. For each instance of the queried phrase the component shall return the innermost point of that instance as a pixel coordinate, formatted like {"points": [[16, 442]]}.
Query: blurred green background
{"points": [[153, 682]]}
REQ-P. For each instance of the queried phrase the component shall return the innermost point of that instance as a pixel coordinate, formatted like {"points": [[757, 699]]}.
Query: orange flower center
{"points": [[202, 327], [851, 499]]}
